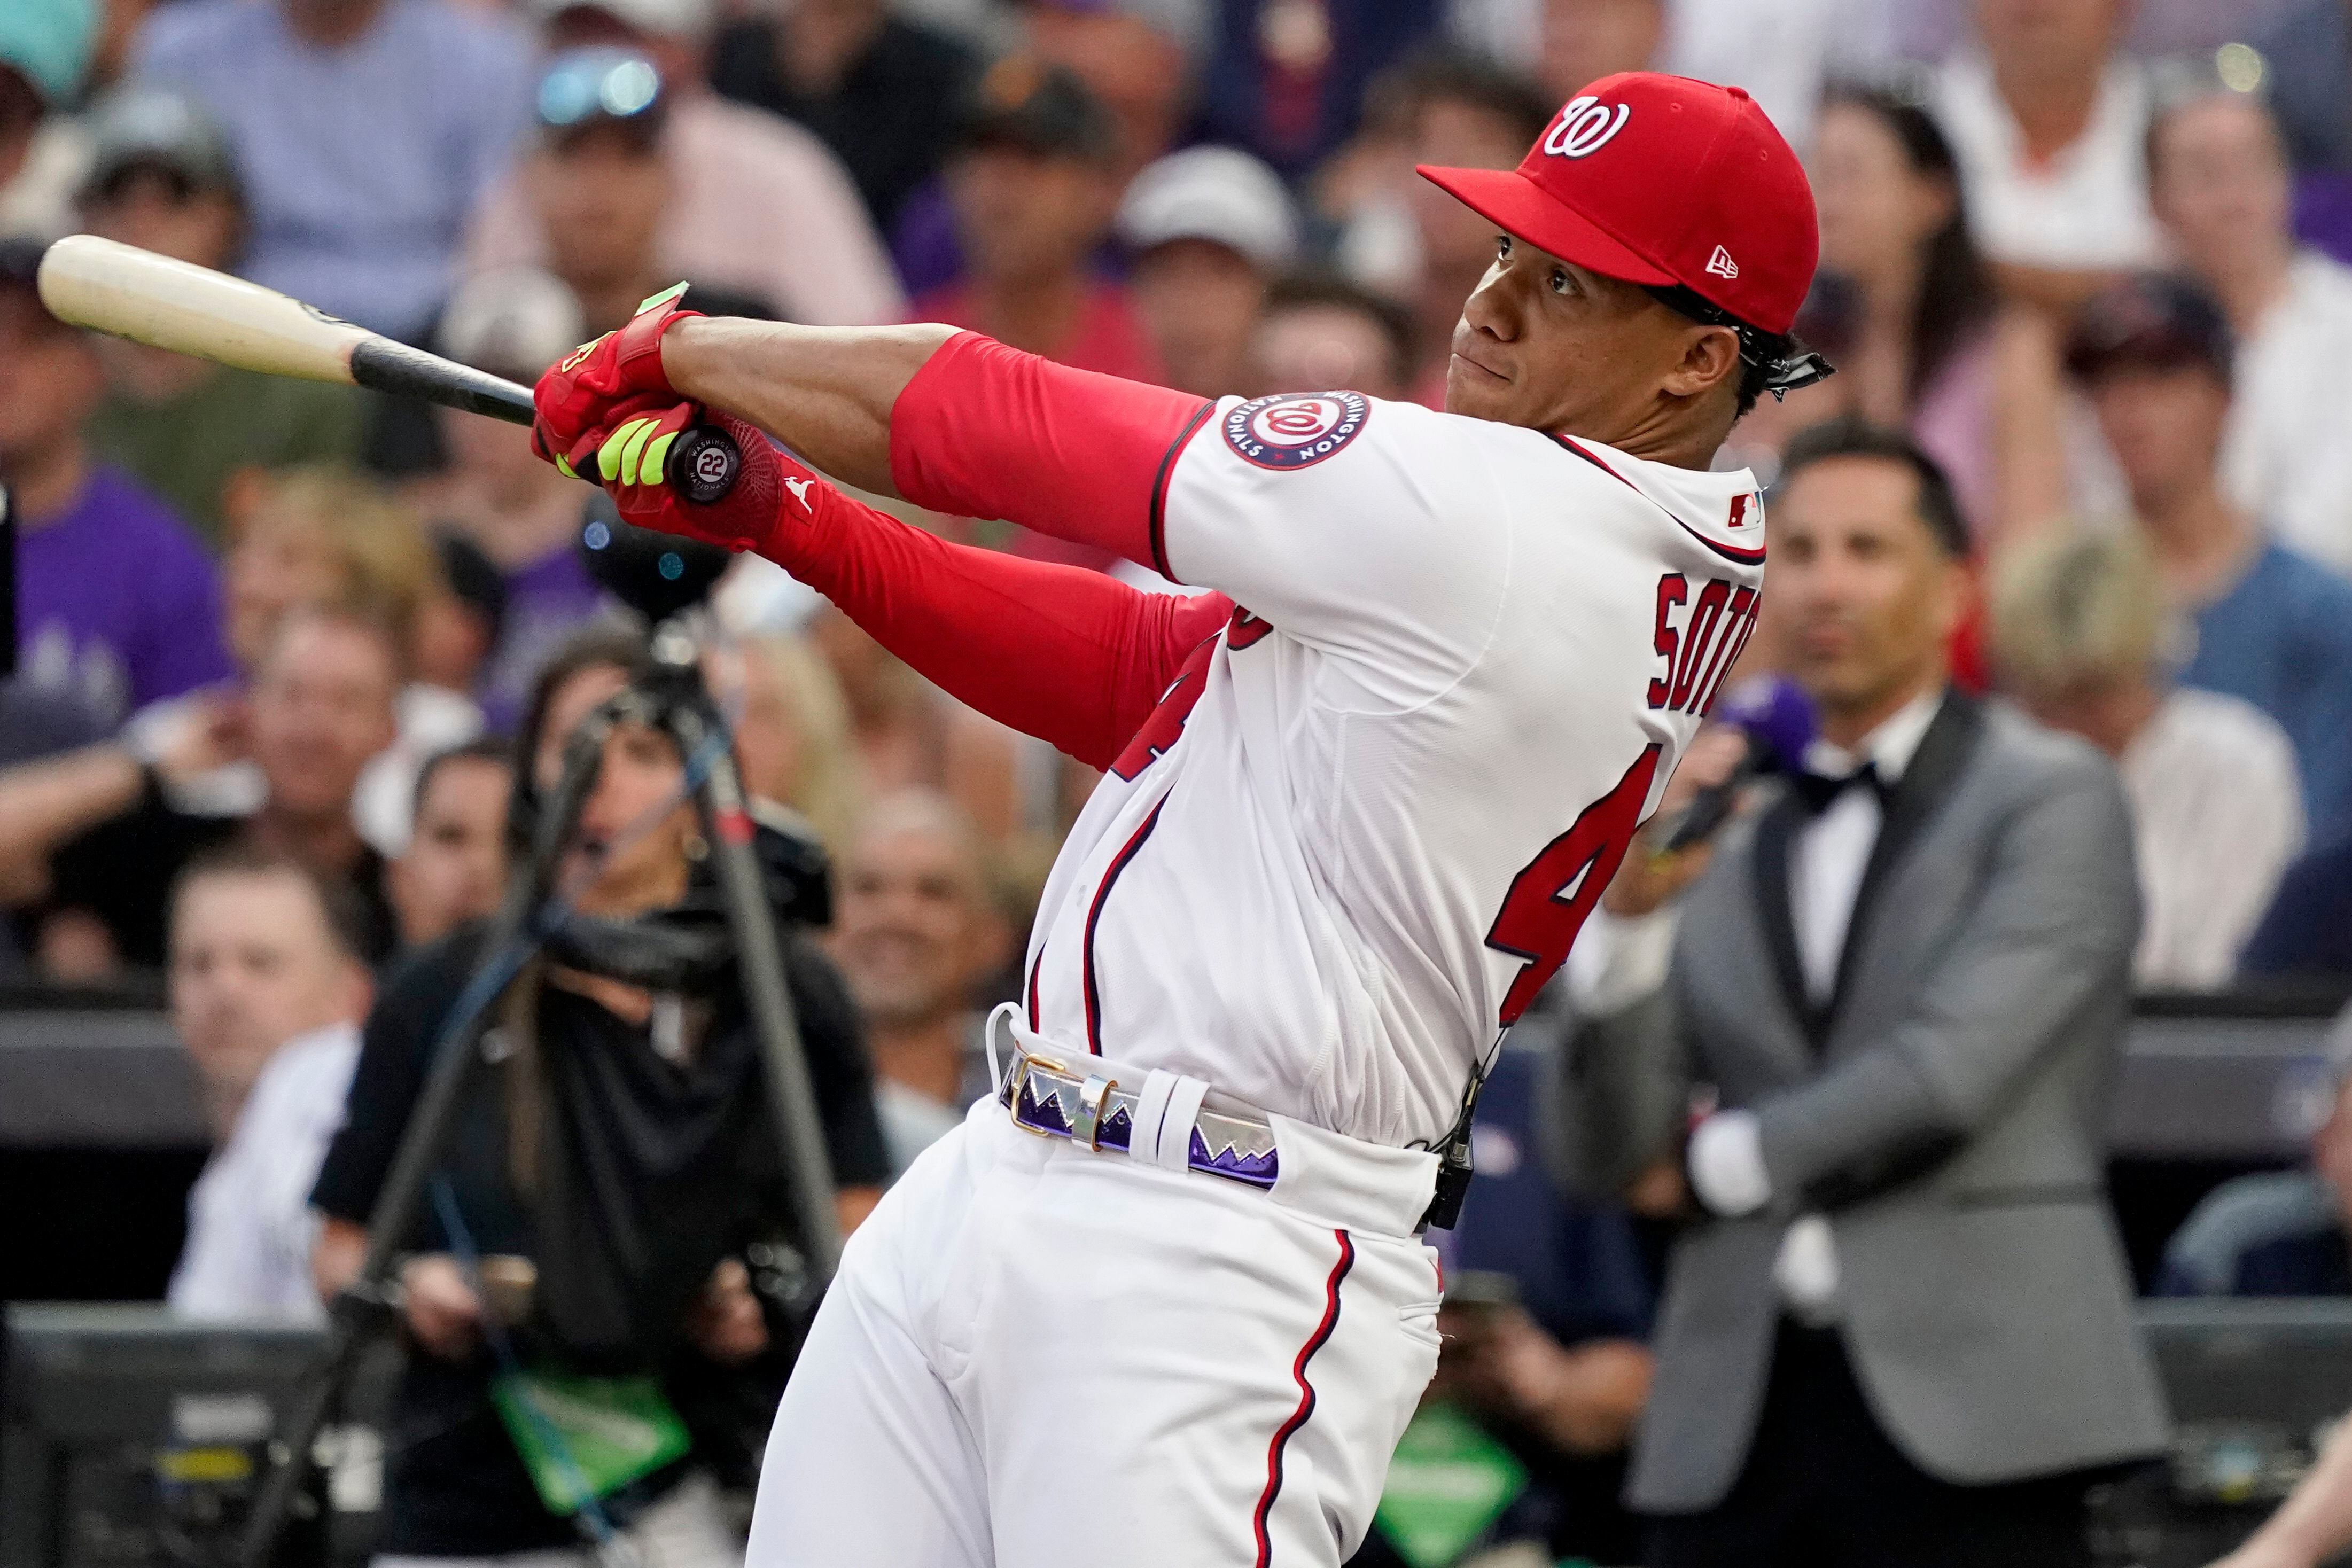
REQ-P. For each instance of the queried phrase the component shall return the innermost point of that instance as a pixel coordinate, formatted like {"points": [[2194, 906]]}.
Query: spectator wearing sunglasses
{"points": [[730, 196], [161, 177], [597, 191]]}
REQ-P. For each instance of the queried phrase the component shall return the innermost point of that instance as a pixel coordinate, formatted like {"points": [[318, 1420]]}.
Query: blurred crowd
{"points": [[2086, 252], [276, 640]]}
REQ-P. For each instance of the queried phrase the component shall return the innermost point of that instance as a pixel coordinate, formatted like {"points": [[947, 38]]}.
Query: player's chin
{"points": [[1476, 390]]}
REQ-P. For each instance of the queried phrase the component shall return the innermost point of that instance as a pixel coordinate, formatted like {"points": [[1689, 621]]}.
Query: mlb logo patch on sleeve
{"points": [[1295, 429]]}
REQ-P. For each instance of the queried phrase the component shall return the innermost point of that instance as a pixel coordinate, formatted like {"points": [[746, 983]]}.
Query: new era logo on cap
{"points": [[1690, 169]]}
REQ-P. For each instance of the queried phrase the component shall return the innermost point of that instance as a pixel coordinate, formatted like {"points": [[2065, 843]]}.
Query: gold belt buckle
{"points": [[1023, 1065]]}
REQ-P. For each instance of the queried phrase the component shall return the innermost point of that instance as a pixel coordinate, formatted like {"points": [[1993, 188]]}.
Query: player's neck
{"points": [[1677, 431], [1677, 438]]}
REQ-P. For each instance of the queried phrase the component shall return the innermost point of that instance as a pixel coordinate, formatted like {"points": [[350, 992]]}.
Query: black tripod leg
{"points": [[792, 1098], [363, 1308]]}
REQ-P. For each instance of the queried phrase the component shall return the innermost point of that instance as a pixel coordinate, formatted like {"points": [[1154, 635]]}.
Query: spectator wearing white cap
{"points": [[747, 201], [1208, 228]]}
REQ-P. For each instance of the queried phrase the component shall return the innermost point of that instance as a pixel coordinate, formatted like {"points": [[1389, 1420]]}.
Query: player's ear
{"points": [[1710, 358]]}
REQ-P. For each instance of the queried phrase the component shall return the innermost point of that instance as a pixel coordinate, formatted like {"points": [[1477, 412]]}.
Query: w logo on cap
{"points": [[1584, 127]]}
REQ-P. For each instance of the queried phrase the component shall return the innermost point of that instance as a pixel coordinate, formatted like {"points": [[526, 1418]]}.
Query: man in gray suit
{"points": [[1898, 1331]]}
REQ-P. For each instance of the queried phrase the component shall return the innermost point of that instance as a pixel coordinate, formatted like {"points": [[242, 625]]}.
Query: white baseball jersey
{"points": [[1362, 828]]}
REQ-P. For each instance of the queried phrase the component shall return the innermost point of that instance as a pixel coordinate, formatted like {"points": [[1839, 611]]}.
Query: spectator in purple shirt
{"points": [[116, 602]]}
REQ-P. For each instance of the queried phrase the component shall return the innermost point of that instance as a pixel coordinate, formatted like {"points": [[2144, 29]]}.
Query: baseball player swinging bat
{"points": [[126, 292], [1164, 1298]]}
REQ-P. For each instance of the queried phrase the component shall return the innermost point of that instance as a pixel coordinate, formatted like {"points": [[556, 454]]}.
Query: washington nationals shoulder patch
{"points": [[1295, 429]]}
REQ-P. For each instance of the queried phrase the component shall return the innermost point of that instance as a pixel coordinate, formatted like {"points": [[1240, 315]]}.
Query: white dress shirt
{"points": [[2216, 817], [1615, 960], [250, 1227], [1831, 853]]}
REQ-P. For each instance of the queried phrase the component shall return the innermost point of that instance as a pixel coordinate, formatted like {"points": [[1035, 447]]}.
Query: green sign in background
{"points": [[1448, 1483]]}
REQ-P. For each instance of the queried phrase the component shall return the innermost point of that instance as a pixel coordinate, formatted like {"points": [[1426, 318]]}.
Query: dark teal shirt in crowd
{"points": [[2277, 1233], [2282, 640]]}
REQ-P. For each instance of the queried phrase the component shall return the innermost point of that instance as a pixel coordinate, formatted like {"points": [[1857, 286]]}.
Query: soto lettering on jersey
{"points": [[1699, 649]]}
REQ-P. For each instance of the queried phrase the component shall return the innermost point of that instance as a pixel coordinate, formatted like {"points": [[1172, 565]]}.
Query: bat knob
{"points": [[702, 464]]}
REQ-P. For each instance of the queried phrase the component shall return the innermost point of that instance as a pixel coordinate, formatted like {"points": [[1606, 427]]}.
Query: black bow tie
{"points": [[1819, 792]]}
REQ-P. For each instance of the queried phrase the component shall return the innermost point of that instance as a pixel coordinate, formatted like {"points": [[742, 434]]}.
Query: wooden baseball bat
{"points": [[126, 292]]}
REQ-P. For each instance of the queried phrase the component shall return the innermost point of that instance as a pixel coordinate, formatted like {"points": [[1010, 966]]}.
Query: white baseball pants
{"points": [[1036, 1355]]}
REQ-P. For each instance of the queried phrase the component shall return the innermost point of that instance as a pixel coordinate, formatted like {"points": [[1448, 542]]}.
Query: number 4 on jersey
{"points": [[1550, 898]]}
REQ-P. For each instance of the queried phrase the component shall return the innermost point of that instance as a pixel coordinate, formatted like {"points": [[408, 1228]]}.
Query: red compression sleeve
{"points": [[1069, 655], [984, 431]]}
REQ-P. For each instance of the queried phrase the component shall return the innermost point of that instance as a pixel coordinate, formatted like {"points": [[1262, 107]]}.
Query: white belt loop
{"points": [[1004, 1015], [1151, 1113], [1172, 1132]]}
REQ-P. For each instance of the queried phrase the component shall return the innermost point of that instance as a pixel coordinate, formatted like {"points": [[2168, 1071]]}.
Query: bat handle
{"points": [[702, 464]]}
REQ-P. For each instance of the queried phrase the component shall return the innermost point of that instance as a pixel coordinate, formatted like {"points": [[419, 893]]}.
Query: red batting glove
{"points": [[589, 387], [771, 491]]}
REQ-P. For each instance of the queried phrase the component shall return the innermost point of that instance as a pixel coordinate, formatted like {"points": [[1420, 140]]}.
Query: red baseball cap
{"points": [[1663, 179]]}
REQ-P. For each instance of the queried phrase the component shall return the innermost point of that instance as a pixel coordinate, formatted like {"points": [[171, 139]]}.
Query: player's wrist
{"points": [[682, 349]]}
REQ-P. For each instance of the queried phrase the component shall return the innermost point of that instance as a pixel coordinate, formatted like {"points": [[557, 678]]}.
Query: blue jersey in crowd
{"points": [[2279, 1234], [2282, 640]]}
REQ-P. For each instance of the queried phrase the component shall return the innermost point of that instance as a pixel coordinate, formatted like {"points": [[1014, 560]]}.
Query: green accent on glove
{"points": [[563, 466], [615, 459], [655, 301], [653, 463]]}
